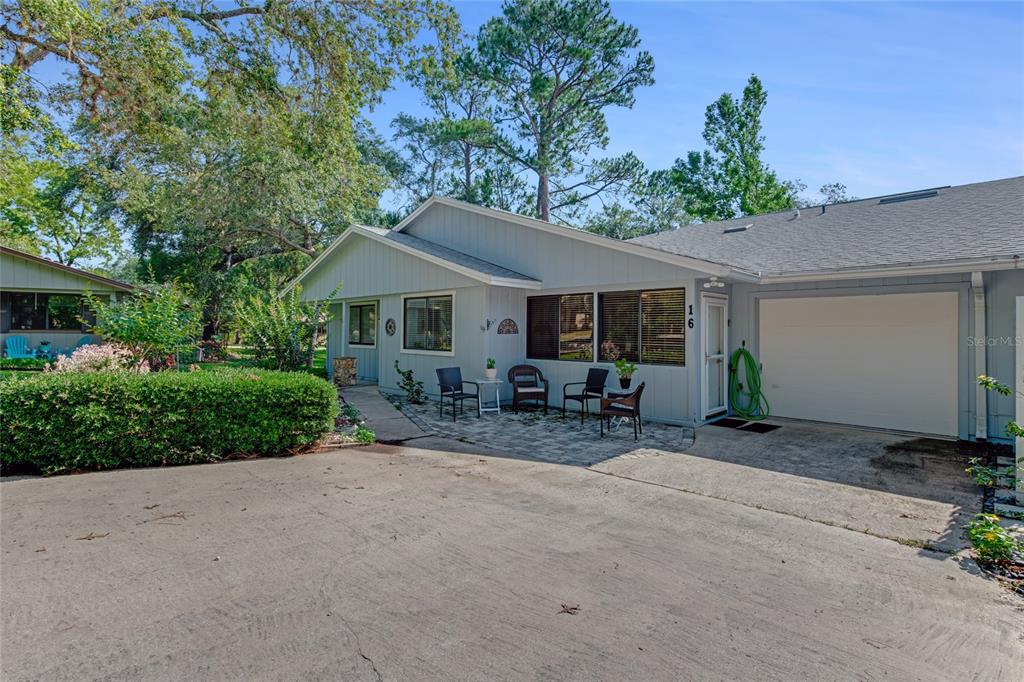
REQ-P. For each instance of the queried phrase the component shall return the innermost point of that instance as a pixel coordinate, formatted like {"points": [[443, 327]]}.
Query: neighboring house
{"points": [[42, 300], [879, 312]]}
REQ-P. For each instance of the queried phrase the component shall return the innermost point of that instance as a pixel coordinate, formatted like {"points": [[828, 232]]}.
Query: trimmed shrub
{"points": [[54, 423], [26, 364]]}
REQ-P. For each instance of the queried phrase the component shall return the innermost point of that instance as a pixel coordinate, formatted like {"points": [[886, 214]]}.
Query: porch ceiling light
{"points": [[714, 283]]}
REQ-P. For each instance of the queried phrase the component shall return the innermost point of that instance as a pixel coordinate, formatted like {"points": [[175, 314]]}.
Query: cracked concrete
{"points": [[393, 563]]}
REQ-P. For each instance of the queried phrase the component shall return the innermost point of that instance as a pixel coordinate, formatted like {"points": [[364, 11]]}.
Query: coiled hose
{"points": [[747, 402]]}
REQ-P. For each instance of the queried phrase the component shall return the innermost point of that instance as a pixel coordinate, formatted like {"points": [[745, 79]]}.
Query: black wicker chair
{"points": [[593, 389], [449, 379], [528, 384], [625, 405]]}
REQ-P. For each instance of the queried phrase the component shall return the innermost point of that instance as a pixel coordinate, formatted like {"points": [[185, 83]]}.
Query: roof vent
{"points": [[738, 228], [910, 196]]}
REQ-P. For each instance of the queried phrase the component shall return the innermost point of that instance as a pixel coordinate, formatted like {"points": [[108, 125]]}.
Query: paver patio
{"points": [[886, 484], [531, 434]]}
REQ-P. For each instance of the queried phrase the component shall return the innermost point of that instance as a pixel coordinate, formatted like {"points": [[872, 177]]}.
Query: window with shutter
{"points": [[576, 327], [619, 326], [427, 323], [663, 326], [542, 327]]}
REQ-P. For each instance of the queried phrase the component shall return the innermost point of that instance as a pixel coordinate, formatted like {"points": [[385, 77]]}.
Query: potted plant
{"points": [[44, 349], [491, 373], [625, 369]]}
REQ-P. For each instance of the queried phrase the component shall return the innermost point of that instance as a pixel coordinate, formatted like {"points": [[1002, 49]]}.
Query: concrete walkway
{"points": [[386, 422]]}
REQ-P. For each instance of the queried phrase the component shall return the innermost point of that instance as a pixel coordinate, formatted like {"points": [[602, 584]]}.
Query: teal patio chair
{"points": [[86, 340], [17, 347]]}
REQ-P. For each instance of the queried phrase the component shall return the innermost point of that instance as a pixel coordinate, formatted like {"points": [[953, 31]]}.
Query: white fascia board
{"points": [[903, 270], [697, 264]]}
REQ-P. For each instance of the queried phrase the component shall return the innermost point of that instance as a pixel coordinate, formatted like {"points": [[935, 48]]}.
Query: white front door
{"points": [[716, 365]]}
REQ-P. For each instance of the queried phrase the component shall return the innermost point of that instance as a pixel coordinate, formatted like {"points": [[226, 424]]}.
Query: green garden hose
{"points": [[747, 401]]}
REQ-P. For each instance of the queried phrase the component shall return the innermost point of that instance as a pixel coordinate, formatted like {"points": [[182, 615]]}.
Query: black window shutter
{"points": [[542, 327], [576, 327], [619, 326], [663, 326]]}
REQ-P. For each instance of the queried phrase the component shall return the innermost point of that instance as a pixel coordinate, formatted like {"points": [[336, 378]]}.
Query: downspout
{"points": [[980, 348]]}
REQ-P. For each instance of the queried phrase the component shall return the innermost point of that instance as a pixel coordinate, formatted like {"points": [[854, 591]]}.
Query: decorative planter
{"points": [[491, 374], [624, 382]]}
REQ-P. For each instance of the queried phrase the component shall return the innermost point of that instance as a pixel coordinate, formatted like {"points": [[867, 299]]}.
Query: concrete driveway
{"points": [[391, 563]]}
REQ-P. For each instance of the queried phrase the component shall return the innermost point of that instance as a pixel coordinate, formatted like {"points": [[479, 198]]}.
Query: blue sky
{"points": [[883, 97]]}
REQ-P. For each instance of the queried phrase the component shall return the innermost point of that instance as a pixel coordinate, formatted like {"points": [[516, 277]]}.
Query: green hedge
{"points": [[23, 363], [52, 423]]}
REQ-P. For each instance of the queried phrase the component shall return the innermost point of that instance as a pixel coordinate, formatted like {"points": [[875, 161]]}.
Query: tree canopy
{"points": [[556, 65], [729, 178]]}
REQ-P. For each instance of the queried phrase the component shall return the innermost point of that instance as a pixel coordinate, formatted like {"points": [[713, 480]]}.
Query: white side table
{"points": [[497, 394]]}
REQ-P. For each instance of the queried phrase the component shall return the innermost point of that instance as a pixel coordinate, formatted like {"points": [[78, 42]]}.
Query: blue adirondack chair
{"points": [[86, 340], [17, 347]]}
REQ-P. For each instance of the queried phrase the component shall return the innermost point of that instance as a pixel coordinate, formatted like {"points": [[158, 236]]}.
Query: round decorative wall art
{"points": [[508, 326], [390, 327]]}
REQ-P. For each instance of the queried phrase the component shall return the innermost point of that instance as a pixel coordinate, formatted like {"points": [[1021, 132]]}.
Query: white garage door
{"points": [[886, 361]]}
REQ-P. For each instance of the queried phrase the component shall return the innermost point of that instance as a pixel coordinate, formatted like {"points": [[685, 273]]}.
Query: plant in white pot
{"points": [[491, 373]]}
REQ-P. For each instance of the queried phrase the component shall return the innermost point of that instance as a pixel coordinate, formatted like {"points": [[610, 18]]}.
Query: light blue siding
{"points": [[364, 268], [1002, 290], [558, 261], [468, 342], [21, 274]]}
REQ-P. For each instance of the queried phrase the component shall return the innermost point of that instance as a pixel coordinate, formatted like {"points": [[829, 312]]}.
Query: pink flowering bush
{"points": [[106, 358]]}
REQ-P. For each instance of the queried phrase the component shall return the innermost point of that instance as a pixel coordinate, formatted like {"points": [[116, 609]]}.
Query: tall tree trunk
{"points": [[467, 169], [543, 198]]}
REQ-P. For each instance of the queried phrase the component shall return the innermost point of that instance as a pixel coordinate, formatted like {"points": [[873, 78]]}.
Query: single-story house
{"points": [[42, 300], [877, 312]]}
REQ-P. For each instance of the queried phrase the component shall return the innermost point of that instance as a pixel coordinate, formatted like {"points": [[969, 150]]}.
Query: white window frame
{"points": [[401, 325], [348, 324]]}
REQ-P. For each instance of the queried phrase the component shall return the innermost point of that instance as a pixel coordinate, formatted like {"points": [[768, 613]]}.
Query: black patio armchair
{"points": [[449, 379], [624, 406], [593, 389], [528, 384]]}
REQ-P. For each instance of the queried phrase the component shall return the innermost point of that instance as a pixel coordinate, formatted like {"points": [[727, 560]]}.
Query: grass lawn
{"points": [[244, 359]]}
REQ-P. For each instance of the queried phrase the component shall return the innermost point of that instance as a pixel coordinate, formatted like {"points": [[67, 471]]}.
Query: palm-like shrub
{"points": [[282, 330]]}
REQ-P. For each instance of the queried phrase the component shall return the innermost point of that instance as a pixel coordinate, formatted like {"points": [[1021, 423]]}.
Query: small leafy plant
{"points": [[624, 368], [1013, 429], [491, 363], [413, 387], [991, 541], [359, 432], [983, 475]]}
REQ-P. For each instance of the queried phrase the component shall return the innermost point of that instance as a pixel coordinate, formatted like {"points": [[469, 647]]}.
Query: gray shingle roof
{"points": [[450, 255], [980, 220]]}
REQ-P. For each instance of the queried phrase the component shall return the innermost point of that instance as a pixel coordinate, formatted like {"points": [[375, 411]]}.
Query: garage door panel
{"points": [[887, 361]]}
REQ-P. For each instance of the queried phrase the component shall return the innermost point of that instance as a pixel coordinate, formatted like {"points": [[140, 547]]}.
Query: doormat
{"points": [[729, 423], [755, 427]]}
